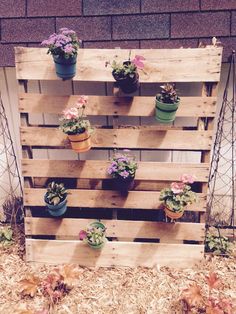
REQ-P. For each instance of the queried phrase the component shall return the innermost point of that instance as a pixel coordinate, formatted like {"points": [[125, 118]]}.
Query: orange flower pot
{"points": [[80, 143], [173, 215]]}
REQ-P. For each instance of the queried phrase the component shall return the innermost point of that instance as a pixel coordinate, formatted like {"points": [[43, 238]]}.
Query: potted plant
{"points": [[178, 196], [63, 48], [94, 235], [167, 103], [126, 73], [56, 199], [76, 126], [122, 168]]}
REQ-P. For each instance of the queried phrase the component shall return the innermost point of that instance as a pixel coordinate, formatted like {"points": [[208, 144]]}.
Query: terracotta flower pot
{"points": [[173, 215], [80, 142]]}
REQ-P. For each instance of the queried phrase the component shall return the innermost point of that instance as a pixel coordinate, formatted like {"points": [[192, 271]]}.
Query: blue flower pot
{"points": [[65, 68], [57, 210]]}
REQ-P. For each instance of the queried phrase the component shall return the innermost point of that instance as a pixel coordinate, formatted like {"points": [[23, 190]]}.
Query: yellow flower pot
{"points": [[80, 143], [173, 215]]}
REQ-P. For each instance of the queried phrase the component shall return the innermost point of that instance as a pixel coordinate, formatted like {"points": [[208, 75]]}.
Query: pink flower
{"points": [[71, 113], [138, 61], [188, 178], [177, 187], [82, 234], [83, 100]]}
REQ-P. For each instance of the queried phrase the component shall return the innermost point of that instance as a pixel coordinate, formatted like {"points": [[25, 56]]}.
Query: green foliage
{"points": [[177, 202], [56, 193], [75, 126], [168, 94], [124, 69], [217, 244], [96, 235], [6, 234]]}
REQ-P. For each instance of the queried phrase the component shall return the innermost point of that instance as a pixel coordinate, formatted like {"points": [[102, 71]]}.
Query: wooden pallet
{"points": [[133, 242]]}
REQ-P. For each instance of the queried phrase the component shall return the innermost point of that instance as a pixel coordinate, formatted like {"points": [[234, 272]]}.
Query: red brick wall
{"points": [[118, 23]]}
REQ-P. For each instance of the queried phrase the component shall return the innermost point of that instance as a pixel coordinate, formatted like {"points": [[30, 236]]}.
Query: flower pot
{"points": [[123, 184], [80, 142], [65, 68], [97, 246], [165, 113], [173, 215], [127, 84], [56, 210]]}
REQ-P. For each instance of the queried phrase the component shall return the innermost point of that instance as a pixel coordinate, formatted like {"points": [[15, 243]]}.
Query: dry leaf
{"points": [[29, 285], [213, 281], [69, 274], [192, 295]]}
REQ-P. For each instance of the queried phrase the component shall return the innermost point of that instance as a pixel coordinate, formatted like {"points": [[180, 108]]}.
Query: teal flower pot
{"points": [[165, 113], [65, 68], [97, 224], [57, 210]]}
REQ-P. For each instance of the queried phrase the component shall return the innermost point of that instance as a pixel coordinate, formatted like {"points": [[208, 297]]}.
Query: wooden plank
{"points": [[113, 254], [117, 138], [108, 199], [110, 106], [117, 228], [161, 65], [97, 169]]}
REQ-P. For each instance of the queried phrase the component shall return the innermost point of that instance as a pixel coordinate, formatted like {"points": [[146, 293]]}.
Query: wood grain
{"points": [[114, 254], [110, 105], [161, 65], [109, 199], [122, 138], [117, 228]]}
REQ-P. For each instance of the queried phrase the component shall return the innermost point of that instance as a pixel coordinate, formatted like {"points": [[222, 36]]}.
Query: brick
{"points": [[141, 26], [27, 30], [156, 6], [125, 44], [169, 44], [185, 25], [229, 43], [103, 7], [54, 8], [12, 8], [233, 26], [88, 28], [218, 4]]}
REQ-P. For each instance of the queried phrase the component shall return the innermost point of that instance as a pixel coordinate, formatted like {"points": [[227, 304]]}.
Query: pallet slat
{"points": [[161, 65], [110, 106], [114, 254], [117, 138], [117, 228], [109, 199], [97, 169]]}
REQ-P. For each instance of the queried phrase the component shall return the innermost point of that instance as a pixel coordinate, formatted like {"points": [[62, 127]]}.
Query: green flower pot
{"points": [[97, 224], [165, 113]]}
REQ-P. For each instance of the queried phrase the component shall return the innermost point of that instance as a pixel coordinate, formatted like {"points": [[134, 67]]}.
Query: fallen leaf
{"points": [[213, 281], [192, 295], [29, 285], [69, 274]]}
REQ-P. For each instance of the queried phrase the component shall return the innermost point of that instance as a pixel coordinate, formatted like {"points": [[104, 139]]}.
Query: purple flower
{"points": [[82, 234], [124, 174]]}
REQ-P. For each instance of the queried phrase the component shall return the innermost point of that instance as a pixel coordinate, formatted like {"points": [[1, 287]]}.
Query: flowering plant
{"points": [[127, 68], [122, 165], [73, 120], [65, 43], [94, 234], [179, 194], [56, 193]]}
